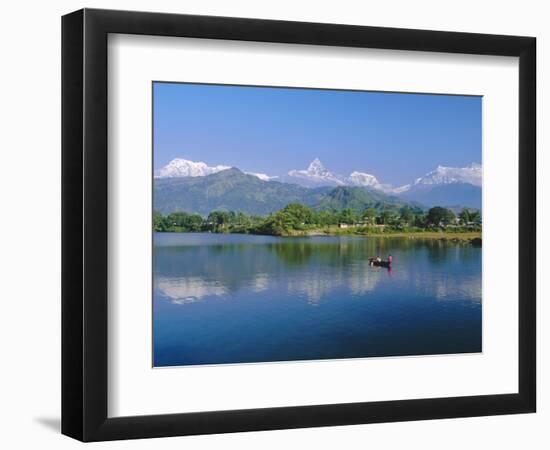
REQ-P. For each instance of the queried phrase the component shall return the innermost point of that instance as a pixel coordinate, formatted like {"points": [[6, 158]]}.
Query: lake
{"points": [[227, 298]]}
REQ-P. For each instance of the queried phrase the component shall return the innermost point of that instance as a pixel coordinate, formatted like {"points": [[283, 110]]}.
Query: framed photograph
{"points": [[273, 224]]}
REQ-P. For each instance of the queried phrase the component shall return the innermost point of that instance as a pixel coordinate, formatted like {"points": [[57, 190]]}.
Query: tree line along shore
{"points": [[298, 220]]}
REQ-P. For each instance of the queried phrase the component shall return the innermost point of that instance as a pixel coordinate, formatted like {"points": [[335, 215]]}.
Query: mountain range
{"points": [[196, 187], [446, 186], [234, 190]]}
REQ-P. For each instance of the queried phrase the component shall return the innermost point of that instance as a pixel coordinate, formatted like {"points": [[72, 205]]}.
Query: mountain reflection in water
{"points": [[240, 298]]}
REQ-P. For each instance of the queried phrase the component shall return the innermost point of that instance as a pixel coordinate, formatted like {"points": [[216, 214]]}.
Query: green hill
{"points": [[233, 190], [357, 199]]}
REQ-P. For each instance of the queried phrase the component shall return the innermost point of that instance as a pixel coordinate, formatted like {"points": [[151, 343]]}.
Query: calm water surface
{"points": [[239, 298]]}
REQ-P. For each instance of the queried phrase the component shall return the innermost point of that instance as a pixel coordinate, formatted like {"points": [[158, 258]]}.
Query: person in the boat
{"points": [[390, 259], [378, 259]]}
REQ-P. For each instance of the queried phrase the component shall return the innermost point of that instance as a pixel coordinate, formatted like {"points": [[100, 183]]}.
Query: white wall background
{"points": [[30, 229]]}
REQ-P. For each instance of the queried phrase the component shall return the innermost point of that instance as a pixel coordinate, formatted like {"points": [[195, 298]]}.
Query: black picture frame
{"points": [[84, 224]]}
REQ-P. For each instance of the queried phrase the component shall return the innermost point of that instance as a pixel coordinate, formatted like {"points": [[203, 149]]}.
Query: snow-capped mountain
{"points": [[401, 189], [363, 179], [368, 180], [446, 186], [316, 174], [180, 167], [444, 175], [470, 174], [263, 176]]}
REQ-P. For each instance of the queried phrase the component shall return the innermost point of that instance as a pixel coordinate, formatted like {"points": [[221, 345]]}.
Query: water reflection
{"points": [[232, 298], [311, 268], [183, 290]]}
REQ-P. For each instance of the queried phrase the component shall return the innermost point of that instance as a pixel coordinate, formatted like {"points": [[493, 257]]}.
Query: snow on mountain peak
{"points": [[363, 179], [262, 176], [401, 189], [180, 167], [316, 167], [317, 173], [471, 174], [367, 180]]}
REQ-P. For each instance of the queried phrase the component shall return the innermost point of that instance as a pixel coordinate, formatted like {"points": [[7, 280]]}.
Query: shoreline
{"points": [[473, 237], [469, 237]]}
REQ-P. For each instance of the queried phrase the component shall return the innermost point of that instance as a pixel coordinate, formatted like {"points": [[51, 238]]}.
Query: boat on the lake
{"points": [[377, 262]]}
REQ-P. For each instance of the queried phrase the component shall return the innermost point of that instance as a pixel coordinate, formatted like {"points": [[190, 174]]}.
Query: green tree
{"points": [[439, 215], [159, 223], [298, 214], [475, 216], [176, 219], [242, 219], [275, 224], [325, 218], [369, 216], [407, 215], [386, 217], [347, 216], [450, 216], [465, 216], [420, 220], [194, 223], [219, 219]]}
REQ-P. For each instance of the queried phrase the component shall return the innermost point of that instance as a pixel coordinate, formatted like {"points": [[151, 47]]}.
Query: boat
{"points": [[380, 263]]}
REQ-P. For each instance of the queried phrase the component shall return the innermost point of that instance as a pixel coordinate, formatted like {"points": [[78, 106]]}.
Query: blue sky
{"points": [[396, 137]]}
